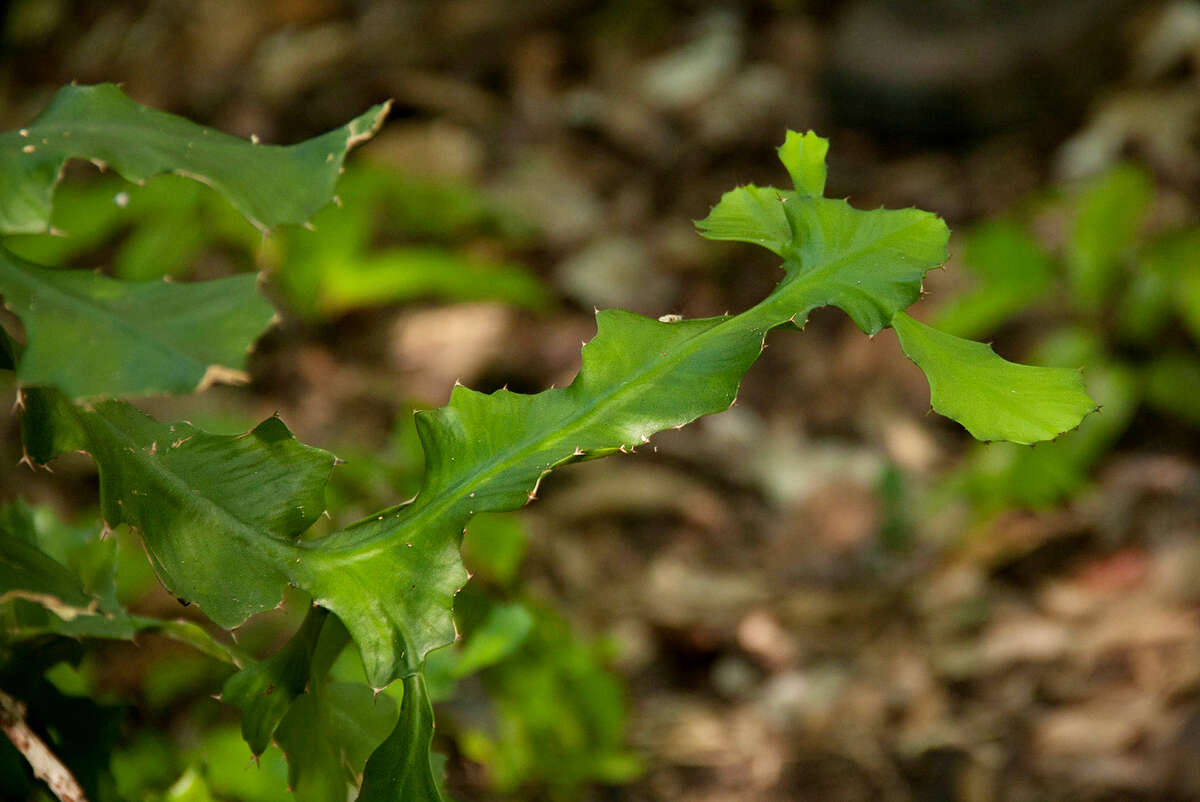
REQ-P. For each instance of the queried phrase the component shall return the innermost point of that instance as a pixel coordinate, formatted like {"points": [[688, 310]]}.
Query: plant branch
{"points": [[46, 766]]}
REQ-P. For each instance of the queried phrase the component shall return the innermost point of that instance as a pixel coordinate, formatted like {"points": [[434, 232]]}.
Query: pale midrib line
{"points": [[639, 381], [782, 294], [246, 533], [777, 297], [124, 132], [77, 303]]}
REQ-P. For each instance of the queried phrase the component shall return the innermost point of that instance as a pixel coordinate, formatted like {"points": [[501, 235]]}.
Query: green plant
{"points": [[1113, 298], [347, 258], [224, 518]]}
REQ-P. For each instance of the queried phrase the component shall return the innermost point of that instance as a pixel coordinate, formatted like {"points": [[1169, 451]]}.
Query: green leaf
{"points": [[234, 773], [333, 284], [804, 157], [559, 716], [1000, 475], [190, 787], [403, 768], [868, 263], [269, 185], [1174, 260], [40, 595], [23, 567], [265, 690], [1109, 215], [505, 627], [219, 515], [391, 578], [992, 398], [328, 735], [90, 335], [493, 546], [756, 214], [333, 269], [750, 214]]}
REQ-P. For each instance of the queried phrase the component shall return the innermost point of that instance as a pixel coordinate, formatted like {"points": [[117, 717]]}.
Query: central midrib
{"points": [[750, 319], [798, 287]]}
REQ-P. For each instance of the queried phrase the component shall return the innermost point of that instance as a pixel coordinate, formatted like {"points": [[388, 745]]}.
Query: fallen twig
{"points": [[46, 765]]}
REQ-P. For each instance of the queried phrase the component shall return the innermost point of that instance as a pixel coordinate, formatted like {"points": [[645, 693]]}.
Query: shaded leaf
{"points": [[328, 735], [346, 280], [8, 351], [91, 335], [559, 716], [269, 185], [265, 690], [218, 514], [1173, 385], [403, 768], [41, 596]]}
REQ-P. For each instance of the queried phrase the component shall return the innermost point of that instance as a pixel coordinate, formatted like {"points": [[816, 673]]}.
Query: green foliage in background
{"points": [[1125, 303], [386, 240], [226, 520]]}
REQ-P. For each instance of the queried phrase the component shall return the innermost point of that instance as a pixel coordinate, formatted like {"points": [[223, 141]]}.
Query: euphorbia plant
{"points": [[223, 518]]}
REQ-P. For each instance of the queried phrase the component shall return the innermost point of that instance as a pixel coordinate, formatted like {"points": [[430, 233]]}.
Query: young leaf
{"points": [[265, 690], [268, 184], [91, 335], [992, 398], [750, 214], [804, 157]]}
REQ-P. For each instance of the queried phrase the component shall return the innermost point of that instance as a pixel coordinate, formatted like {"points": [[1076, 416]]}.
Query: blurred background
{"points": [[824, 593]]}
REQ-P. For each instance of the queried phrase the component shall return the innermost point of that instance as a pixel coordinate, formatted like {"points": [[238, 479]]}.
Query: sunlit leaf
{"points": [[750, 214], [992, 398]]}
